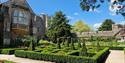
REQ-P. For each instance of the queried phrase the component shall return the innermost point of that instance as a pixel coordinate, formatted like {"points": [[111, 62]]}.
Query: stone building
{"points": [[18, 19]]}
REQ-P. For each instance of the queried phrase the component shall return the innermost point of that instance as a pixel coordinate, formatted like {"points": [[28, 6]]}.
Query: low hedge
{"points": [[63, 58], [8, 62], [51, 57], [124, 50], [10, 50], [7, 51], [117, 48], [101, 56]]}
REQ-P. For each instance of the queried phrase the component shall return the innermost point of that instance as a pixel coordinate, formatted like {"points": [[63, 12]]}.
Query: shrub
{"points": [[63, 58], [117, 48], [100, 56], [83, 51], [10, 50], [72, 44], [58, 43], [124, 50], [79, 44], [43, 42], [8, 61], [7, 51]]}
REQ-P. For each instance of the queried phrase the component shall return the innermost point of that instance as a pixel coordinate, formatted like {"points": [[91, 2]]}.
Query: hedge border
{"points": [[10, 51], [63, 58], [124, 50], [101, 56]]}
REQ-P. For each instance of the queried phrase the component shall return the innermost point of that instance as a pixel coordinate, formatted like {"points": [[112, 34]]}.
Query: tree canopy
{"points": [[80, 26], [59, 27], [106, 25], [117, 5]]}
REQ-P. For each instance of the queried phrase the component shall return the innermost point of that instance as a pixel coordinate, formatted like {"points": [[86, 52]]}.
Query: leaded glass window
{"points": [[21, 17]]}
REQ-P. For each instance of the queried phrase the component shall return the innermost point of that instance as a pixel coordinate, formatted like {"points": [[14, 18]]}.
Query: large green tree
{"points": [[80, 26], [117, 5], [59, 27], [106, 25]]}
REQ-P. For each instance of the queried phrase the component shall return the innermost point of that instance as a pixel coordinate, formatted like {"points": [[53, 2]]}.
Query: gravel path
{"points": [[116, 56], [20, 60]]}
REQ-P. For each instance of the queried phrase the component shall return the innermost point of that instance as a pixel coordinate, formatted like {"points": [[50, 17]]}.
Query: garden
{"points": [[65, 52]]}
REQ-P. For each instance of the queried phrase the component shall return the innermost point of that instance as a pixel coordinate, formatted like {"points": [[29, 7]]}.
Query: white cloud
{"points": [[95, 10], [121, 22], [97, 25], [112, 14], [76, 13], [70, 17]]}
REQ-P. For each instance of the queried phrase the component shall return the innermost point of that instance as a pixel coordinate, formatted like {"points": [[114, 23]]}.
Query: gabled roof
{"points": [[25, 4]]}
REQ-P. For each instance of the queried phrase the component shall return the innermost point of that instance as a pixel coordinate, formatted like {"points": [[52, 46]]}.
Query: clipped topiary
{"points": [[67, 42], [98, 45], [58, 43], [32, 44], [84, 49], [79, 43], [72, 44]]}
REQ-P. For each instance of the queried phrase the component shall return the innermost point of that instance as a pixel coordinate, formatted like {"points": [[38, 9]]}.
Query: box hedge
{"points": [[124, 50], [63, 58], [10, 50], [7, 51]]}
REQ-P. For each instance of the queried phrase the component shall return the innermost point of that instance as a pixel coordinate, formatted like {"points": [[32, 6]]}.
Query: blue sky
{"points": [[73, 11]]}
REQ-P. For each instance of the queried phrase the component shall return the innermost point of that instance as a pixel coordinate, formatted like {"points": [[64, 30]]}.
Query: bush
{"points": [[101, 56], [117, 48], [7, 51], [124, 50], [8, 62], [63, 58], [10, 50]]}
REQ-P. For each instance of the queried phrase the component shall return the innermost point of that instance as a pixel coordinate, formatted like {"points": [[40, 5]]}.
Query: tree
{"points": [[117, 5], [79, 43], [58, 43], [83, 51], [67, 41], [72, 44], [59, 27], [106, 25], [32, 44], [80, 26]]}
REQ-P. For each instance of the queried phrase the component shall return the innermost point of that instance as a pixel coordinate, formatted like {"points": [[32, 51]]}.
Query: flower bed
{"points": [[63, 58]]}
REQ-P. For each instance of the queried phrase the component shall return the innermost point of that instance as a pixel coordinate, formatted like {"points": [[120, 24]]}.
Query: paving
{"points": [[116, 56], [20, 60]]}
